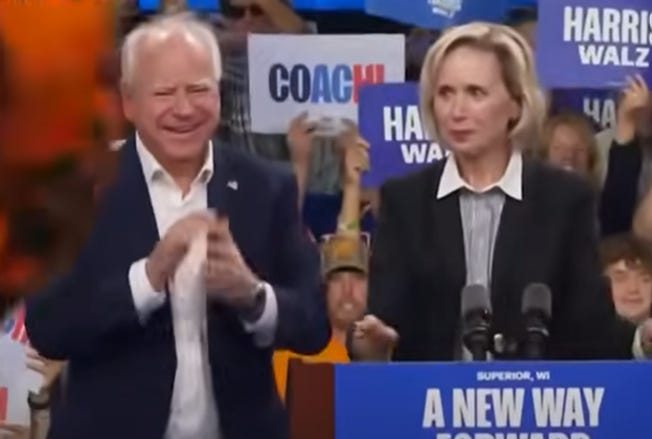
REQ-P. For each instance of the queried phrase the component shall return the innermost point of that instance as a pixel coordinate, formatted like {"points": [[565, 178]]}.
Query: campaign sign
{"points": [[593, 43], [318, 74], [389, 119], [438, 14], [16, 380], [508, 400], [598, 105]]}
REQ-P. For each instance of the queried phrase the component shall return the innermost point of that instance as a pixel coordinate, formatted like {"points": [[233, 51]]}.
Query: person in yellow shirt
{"points": [[344, 269]]}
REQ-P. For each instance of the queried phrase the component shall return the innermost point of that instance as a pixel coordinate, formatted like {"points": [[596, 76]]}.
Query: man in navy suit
{"points": [[145, 360]]}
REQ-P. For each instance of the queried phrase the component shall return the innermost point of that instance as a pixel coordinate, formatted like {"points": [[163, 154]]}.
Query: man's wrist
{"points": [[255, 304], [155, 277]]}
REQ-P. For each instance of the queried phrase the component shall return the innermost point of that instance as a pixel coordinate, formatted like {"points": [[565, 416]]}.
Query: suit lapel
{"points": [[133, 199], [449, 237], [220, 187], [514, 220]]}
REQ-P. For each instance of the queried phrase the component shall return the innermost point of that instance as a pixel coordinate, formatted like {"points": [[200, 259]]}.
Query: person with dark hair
{"points": [[524, 21], [627, 262]]}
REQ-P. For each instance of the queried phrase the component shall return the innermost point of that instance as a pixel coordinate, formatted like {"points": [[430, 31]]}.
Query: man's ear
{"points": [[126, 95]]}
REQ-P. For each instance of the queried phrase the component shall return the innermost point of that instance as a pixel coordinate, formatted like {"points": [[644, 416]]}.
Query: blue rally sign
{"points": [[593, 43], [605, 400], [438, 14], [389, 119]]}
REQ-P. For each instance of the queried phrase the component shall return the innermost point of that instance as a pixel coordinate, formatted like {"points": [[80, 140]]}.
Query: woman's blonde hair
{"points": [[584, 129], [518, 72]]}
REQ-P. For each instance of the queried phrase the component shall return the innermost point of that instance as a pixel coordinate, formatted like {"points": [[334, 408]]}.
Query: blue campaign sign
{"points": [[598, 105], [213, 5], [319, 5], [389, 119], [439, 14], [605, 400], [593, 43]]}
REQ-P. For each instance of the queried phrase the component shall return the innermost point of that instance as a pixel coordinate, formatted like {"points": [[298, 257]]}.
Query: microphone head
{"points": [[475, 298], [537, 298]]}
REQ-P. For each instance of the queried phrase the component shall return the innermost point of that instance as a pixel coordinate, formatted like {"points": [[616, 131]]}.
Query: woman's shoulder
{"points": [[558, 185]]}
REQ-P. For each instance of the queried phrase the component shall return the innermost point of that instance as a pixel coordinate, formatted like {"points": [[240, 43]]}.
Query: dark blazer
{"points": [[121, 373], [418, 266], [620, 192]]}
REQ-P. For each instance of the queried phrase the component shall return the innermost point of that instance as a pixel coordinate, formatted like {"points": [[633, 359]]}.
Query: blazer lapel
{"points": [[449, 237], [133, 199], [512, 234], [218, 195]]}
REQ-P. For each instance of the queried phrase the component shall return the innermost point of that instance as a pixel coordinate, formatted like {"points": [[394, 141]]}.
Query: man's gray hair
{"points": [[161, 26]]}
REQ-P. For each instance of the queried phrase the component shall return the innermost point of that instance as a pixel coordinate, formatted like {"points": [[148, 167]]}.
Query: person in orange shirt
{"points": [[344, 268]]}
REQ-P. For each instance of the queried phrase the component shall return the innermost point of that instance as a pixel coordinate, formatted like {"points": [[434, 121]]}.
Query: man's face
{"points": [[631, 287], [172, 97], [346, 292]]}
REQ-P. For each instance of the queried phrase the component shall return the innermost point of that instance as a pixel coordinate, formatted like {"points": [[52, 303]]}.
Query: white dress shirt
{"points": [[193, 410]]}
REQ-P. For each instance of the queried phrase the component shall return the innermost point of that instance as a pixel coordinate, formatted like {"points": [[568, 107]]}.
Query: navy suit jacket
{"points": [[121, 372]]}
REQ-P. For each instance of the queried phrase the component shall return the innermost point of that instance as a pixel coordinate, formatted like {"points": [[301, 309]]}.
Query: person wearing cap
{"points": [[345, 263]]}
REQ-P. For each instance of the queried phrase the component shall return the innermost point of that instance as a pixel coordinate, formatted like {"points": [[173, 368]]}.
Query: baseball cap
{"points": [[344, 252]]}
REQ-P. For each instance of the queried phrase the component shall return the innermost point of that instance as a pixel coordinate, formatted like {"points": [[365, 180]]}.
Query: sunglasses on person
{"points": [[237, 12]]}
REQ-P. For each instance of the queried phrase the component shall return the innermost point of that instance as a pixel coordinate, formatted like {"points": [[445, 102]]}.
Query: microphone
{"points": [[536, 307], [476, 320]]}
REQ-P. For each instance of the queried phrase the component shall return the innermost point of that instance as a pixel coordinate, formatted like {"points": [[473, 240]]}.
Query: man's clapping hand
{"points": [[169, 251], [228, 278]]}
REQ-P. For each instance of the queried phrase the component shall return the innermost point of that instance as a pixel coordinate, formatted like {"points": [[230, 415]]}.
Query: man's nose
{"points": [[632, 287], [182, 104]]}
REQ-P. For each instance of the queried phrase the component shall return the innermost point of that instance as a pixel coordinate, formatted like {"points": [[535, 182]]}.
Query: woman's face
{"points": [[472, 106], [568, 150]]}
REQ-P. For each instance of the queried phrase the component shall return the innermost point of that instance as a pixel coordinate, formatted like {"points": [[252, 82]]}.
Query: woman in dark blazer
{"points": [[487, 216]]}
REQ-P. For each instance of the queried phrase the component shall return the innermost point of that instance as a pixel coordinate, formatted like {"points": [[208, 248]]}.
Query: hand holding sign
{"points": [[300, 137], [355, 155]]}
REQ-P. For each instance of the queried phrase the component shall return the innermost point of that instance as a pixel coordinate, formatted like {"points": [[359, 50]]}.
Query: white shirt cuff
{"points": [[264, 329], [146, 299], [637, 347]]}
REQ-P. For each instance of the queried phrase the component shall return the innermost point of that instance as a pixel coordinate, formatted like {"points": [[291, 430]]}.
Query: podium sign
{"points": [[601, 400]]}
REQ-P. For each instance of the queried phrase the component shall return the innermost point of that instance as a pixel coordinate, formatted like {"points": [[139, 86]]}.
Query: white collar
{"points": [[152, 169], [510, 183]]}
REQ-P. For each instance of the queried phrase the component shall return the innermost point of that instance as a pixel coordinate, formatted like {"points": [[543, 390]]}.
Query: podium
{"points": [[501, 400]]}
